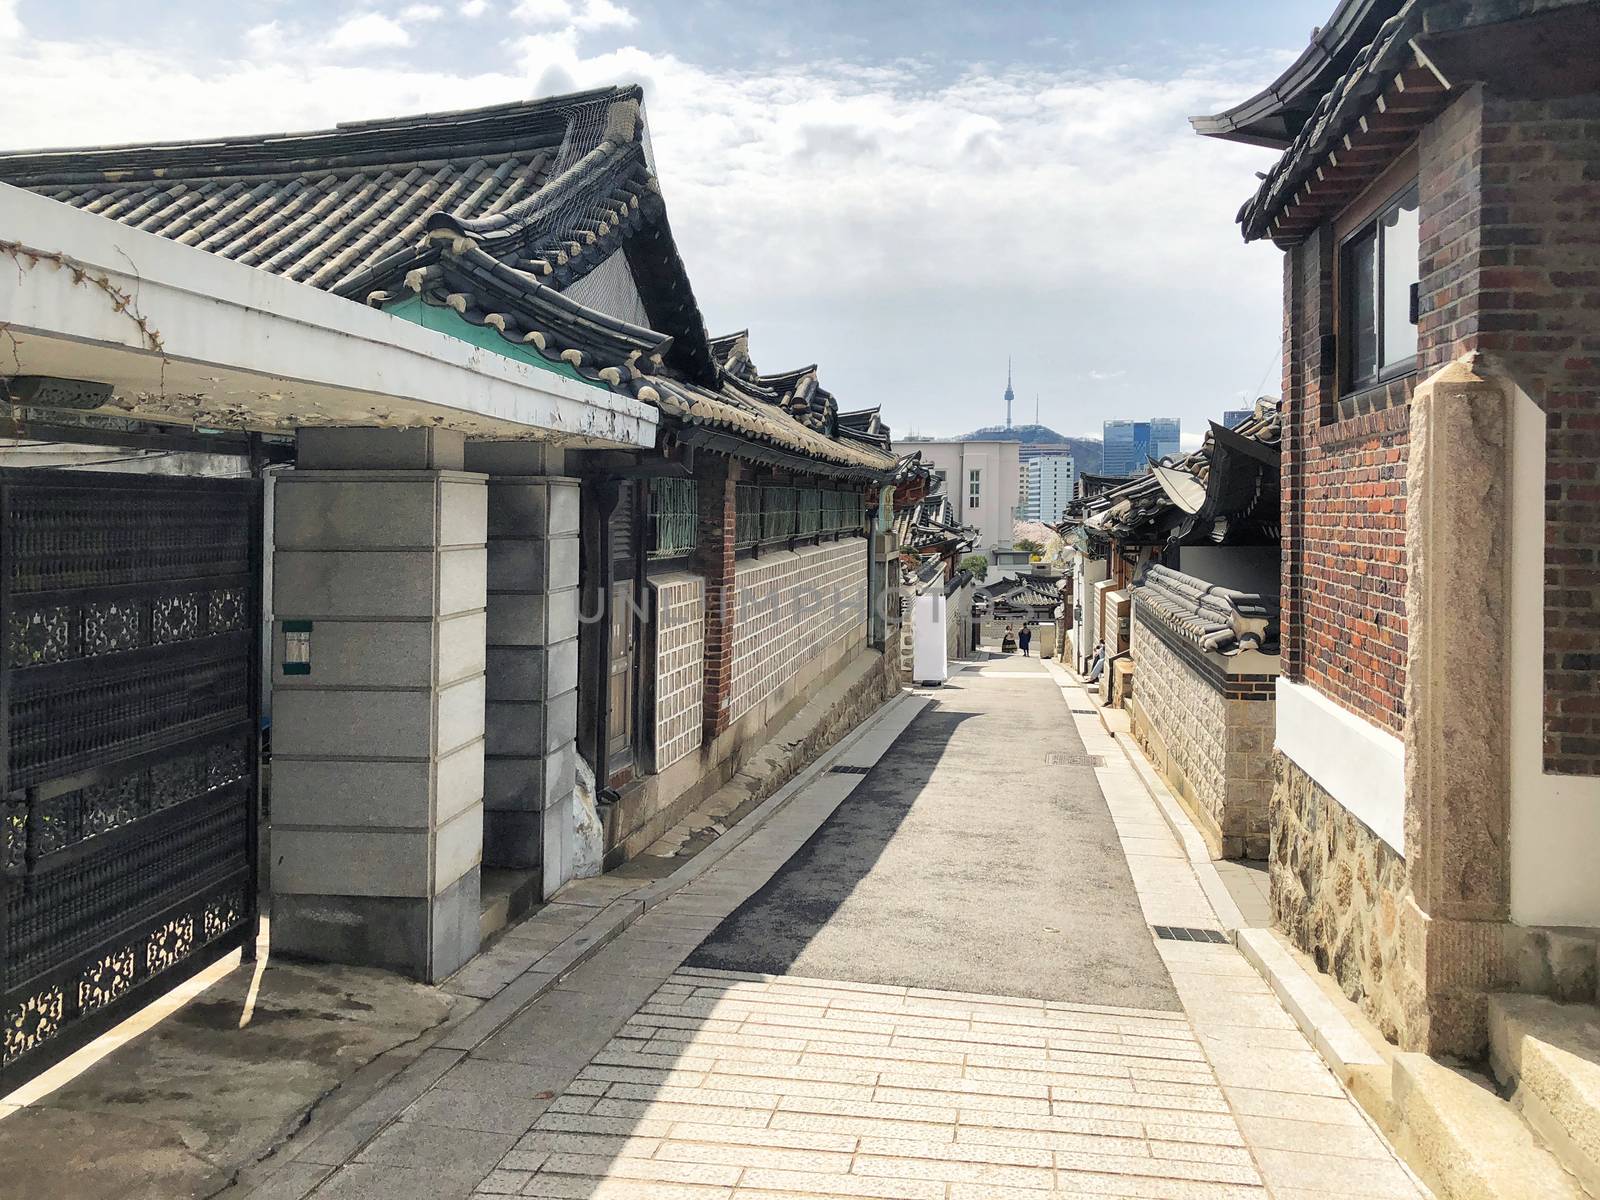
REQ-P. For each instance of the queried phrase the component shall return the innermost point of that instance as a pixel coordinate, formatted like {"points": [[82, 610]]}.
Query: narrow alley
{"points": [[876, 993]]}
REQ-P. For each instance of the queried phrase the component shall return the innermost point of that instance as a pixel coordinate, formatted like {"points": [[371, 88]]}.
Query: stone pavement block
{"points": [[487, 1112], [418, 1144], [370, 1181]]}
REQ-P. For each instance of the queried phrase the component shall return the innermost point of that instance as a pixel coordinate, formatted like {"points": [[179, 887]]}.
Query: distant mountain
{"points": [[1087, 453]]}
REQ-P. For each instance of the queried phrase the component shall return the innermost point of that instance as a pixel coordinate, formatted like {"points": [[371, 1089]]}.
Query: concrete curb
{"points": [[1341, 1046]]}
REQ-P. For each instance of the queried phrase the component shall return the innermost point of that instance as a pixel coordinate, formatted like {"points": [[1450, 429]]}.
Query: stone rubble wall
{"points": [[790, 606], [679, 653], [1337, 893], [1210, 735]]}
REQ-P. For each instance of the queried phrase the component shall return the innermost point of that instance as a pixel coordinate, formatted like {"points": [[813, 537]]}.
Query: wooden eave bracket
{"points": [[1397, 115]]}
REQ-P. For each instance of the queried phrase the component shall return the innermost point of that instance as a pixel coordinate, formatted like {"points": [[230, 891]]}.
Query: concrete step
{"points": [[1547, 1054], [1465, 1141]]}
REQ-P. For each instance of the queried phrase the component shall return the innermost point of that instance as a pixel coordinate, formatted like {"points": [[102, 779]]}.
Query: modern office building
{"points": [[1130, 445], [1050, 480], [1231, 417]]}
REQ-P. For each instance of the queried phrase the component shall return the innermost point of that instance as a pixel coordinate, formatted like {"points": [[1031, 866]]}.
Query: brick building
{"points": [[1438, 734]]}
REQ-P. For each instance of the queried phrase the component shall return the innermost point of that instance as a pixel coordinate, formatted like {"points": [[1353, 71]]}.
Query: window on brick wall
{"points": [[1378, 281]]}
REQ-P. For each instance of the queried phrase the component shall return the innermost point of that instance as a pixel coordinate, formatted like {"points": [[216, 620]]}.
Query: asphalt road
{"points": [[977, 856]]}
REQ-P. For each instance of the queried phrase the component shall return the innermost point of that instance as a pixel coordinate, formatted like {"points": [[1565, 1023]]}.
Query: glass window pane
{"points": [[1361, 261], [1401, 250]]}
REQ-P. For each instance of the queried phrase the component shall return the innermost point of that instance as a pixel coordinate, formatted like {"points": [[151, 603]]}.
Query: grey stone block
{"points": [[380, 794], [562, 571], [558, 834], [377, 654], [561, 721], [515, 729], [561, 666], [346, 514], [560, 770], [461, 714], [564, 495], [515, 458], [518, 564], [463, 580], [561, 622], [458, 846], [379, 584], [421, 939], [513, 784], [352, 724], [515, 672], [519, 507], [512, 839], [463, 512], [461, 646], [460, 781], [352, 449], [516, 619], [350, 862]]}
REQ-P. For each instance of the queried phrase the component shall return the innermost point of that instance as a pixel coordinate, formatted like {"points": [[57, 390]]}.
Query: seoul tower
{"points": [[1010, 395]]}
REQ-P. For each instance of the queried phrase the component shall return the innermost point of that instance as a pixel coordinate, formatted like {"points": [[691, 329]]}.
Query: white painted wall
{"points": [[1555, 819], [1358, 764], [929, 638], [1000, 470]]}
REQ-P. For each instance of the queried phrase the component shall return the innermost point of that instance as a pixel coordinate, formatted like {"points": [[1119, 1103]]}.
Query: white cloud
{"points": [[473, 9], [369, 31], [906, 230], [418, 13], [586, 15], [10, 23]]}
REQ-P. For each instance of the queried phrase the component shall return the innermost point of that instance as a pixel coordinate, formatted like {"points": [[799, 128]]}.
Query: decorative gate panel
{"points": [[128, 745]]}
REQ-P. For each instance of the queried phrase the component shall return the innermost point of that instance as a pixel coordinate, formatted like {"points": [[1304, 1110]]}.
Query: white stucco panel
{"points": [[1358, 764]]}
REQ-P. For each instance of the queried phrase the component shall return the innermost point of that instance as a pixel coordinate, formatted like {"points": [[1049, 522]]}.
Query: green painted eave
{"points": [[448, 320]]}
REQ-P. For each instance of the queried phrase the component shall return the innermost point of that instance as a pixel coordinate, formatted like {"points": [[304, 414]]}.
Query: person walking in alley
{"points": [[1023, 639], [1008, 643]]}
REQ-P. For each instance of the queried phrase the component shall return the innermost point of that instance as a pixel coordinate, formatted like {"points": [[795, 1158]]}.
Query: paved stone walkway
{"points": [[640, 1077]]}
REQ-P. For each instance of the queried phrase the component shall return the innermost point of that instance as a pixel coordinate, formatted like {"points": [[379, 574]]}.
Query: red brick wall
{"points": [[713, 559], [1344, 503], [1512, 267]]}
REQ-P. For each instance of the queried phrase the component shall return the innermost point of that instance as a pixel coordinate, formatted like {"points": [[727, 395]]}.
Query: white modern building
{"points": [[983, 481], [1050, 480]]}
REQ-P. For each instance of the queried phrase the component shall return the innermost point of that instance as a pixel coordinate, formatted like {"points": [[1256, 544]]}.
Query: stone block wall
{"points": [[679, 658], [1338, 893], [1210, 734], [790, 606], [532, 638]]}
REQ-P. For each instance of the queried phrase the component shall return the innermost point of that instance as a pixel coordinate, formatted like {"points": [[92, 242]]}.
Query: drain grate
{"points": [[1062, 758], [1084, 712], [849, 770], [1177, 933]]}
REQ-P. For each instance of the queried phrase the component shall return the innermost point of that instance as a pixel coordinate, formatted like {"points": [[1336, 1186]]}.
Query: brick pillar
{"points": [[1458, 779], [377, 774], [713, 561]]}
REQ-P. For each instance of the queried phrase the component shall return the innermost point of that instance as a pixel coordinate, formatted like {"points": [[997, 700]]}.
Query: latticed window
{"points": [[808, 511], [674, 512], [777, 513], [747, 515]]}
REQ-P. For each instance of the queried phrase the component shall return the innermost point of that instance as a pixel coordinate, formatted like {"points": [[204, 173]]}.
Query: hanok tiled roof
{"points": [[1226, 491], [1365, 119], [1024, 591], [1214, 618], [506, 214]]}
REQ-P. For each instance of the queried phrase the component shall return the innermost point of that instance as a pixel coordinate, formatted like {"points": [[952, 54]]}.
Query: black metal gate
{"points": [[129, 727]]}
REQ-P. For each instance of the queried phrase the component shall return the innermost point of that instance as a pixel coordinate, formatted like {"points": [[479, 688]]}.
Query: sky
{"points": [[905, 193]]}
